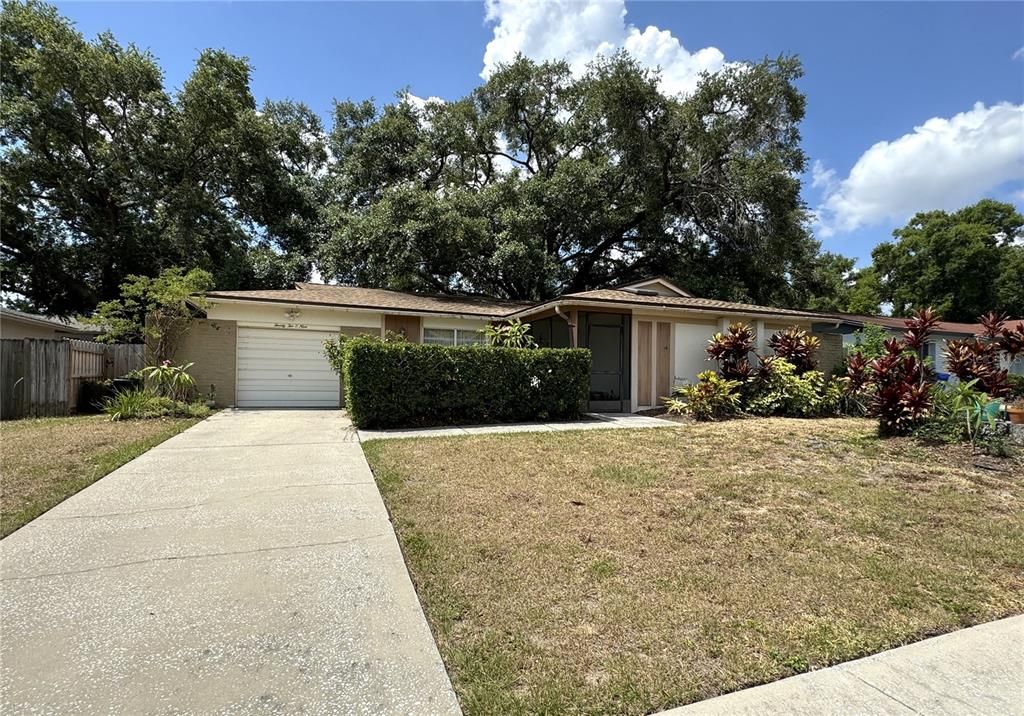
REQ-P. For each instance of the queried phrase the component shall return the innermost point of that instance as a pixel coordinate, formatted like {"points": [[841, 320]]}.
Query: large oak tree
{"points": [[540, 182], [106, 174]]}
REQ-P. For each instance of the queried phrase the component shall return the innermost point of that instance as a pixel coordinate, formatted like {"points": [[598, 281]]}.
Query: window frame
{"points": [[455, 337]]}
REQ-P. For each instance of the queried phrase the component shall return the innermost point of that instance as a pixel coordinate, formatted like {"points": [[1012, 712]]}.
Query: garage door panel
{"points": [[285, 368], [324, 388], [282, 365], [290, 402], [285, 346], [264, 374]]}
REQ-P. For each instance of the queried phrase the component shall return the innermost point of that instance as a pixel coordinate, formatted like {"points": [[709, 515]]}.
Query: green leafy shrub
{"points": [[778, 389], [140, 404], [958, 413], [412, 385], [511, 334], [712, 397], [128, 404], [869, 341], [155, 311], [1016, 387], [170, 381]]}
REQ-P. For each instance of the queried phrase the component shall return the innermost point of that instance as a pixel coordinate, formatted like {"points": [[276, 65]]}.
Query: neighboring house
{"points": [[18, 324], [936, 346], [264, 348]]}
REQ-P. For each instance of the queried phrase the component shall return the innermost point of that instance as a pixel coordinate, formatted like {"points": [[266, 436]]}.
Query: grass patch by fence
{"points": [[45, 461]]}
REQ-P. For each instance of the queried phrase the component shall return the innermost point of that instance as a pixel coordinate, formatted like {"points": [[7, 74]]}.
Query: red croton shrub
{"points": [[978, 357], [796, 346], [731, 350], [898, 384]]}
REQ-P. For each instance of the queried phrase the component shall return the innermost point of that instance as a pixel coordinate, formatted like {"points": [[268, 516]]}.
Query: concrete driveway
{"points": [[246, 565]]}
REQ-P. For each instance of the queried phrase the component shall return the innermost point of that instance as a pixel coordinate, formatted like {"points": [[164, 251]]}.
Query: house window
{"points": [[453, 337], [469, 338]]}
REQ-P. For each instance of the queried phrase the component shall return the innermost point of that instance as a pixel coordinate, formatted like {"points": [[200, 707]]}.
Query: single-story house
{"points": [[18, 324], [935, 348], [265, 348]]}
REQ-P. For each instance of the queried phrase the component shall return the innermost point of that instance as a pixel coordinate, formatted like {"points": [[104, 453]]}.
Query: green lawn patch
{"points": [[609, 572], [45, 461]]}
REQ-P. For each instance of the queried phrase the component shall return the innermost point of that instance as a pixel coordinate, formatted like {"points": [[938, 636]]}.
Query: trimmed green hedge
{"points": [[391, 385]]}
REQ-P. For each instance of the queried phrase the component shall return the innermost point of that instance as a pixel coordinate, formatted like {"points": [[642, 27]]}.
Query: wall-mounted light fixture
{"points": [[292, 313]]}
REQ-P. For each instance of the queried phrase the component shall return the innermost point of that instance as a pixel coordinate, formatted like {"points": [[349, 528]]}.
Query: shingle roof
{"points": [[968, 329], [72, 325], [608, 295], [378, 298]]}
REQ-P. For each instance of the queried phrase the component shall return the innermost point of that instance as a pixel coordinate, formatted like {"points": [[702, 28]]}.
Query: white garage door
{"points": [[285, 368]]}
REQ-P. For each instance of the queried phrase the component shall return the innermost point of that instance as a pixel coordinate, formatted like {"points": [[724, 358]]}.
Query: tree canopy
{"points": [[106, 174], [963, 263], [540, 182]]}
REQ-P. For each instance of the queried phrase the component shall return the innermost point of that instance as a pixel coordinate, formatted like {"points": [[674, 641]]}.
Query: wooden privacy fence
{"points": [[42, 377]]}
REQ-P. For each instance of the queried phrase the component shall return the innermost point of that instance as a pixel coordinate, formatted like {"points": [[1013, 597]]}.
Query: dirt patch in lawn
{"points": [[631, 571], [46, 461]]}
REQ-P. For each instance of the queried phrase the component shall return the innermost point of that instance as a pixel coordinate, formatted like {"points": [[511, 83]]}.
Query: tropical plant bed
{"points": [[631, 571], [46, 461]]}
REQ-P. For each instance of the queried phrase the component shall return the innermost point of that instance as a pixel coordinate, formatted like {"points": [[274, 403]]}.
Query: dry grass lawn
{"points": [[630, 571], [45, 461]]}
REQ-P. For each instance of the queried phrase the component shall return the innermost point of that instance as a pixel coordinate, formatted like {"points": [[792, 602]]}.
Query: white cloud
{"points": [[1019, 54], [580, 31], [822, 177], [942, 164], [419, 102]]}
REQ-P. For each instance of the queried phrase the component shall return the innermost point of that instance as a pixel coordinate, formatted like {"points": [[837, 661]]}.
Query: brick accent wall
{"points": [[211, 346], [831, 352]]}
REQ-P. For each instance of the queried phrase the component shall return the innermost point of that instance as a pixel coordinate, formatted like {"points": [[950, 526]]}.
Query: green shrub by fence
{"points": [[390, 385]]}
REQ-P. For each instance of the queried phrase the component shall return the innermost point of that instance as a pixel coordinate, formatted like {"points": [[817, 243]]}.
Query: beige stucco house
{"points": [[265, 348], [18, 324]]}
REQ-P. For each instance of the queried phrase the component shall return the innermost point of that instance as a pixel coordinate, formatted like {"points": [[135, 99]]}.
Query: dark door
{"points": [[607, 337]]}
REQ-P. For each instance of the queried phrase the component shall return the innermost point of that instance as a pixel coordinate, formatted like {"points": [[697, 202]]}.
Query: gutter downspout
{"points": [[572, 326]]}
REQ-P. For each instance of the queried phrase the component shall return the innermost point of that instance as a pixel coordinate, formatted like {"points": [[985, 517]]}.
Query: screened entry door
{"points": [[607, 337]]}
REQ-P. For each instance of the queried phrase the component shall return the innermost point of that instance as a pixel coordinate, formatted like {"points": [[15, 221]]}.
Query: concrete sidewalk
{"points": [[246, 565], [976, 671], [596, 421]]}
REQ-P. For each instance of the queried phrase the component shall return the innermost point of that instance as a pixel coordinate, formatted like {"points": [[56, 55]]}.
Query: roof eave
{"points": [[359, 308], [661, 307]]}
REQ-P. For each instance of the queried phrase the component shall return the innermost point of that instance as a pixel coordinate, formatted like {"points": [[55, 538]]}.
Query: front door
{"points": [[607, 337]]}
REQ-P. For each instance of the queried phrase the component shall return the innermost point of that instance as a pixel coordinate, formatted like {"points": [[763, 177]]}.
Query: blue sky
{"points": [[874, 73]]}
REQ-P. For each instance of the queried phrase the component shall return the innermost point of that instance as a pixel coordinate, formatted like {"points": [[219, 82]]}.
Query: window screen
{"points": [[469, 338], [439, 336]]}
